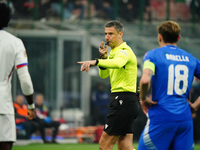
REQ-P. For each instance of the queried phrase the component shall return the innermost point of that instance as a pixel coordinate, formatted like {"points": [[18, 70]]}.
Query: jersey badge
{"points": [[120, 101], [25, 54], [106, 126]]}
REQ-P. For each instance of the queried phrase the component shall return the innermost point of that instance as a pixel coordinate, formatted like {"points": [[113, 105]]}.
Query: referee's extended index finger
{"points": [[80, 62]]}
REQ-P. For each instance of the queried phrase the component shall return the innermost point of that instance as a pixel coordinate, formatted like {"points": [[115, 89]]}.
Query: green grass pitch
{"points": [[84, 146]]}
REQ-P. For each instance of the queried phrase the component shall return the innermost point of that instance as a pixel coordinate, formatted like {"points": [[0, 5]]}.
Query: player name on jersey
{"points": [[177, 57]]}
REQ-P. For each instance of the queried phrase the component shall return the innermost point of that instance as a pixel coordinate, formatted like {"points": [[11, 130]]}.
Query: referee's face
{"points": [[113, 37]]}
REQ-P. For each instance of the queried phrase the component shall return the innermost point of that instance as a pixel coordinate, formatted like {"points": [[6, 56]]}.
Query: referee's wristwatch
{"points": [[97, 61]]}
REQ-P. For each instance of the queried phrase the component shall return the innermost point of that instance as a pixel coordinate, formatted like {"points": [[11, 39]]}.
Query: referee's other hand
{"points": [[146, 104]]}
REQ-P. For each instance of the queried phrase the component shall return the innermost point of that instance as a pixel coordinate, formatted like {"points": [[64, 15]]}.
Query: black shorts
{"points": [[123, 110]]}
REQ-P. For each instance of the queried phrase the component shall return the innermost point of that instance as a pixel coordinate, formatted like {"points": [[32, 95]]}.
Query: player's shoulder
{"points": [[7, 34], [10, 37], [126, 48], [185, 53], [151, 52]]}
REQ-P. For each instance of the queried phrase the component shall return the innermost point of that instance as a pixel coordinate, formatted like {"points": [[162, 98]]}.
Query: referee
{"points": [[121, 66]]}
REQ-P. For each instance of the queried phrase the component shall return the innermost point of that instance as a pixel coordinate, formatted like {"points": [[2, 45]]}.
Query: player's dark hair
{"points": [[170, 31], [5, 14], [116, 24]]}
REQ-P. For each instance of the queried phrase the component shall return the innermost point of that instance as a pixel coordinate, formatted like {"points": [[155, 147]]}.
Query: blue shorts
{"points": [[167, 136]]}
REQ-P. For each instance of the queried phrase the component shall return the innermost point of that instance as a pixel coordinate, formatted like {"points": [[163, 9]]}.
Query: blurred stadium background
{"points": [[59, 33]]}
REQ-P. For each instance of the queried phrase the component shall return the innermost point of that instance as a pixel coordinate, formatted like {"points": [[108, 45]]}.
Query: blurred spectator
{"points": [[104, 9], [158, 9], [72, 9], [43, 119], [21, 117], [136, 9], [22, 8], [44, 9], [99, 104], [126, 10], [77, 8], [148, 10], [195, 8], [182, 10], [56, 6], [145, 6]]}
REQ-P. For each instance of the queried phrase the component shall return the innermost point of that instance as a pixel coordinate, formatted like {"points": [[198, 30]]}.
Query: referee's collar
{"points": [[121, 45]]}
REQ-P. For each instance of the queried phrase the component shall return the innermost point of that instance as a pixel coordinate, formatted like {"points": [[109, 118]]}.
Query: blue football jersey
{"points": [[171, 83]]}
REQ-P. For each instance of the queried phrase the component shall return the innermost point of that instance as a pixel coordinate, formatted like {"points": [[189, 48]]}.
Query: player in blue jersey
{"points": [[170, 71]]}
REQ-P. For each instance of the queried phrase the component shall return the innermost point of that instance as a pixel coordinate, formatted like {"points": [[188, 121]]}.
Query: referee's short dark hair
{"points": [[116, 24], [5, 15]]}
